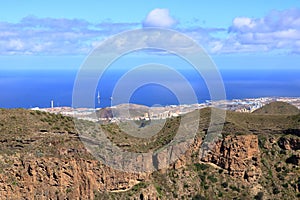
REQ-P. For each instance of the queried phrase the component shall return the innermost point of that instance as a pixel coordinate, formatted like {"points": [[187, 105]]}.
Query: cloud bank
{"points": [[50, 36], [278, 31]]}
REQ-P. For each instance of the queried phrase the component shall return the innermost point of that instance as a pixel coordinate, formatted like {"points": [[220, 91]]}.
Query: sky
{"points": [[237, 34], [43, 44]]}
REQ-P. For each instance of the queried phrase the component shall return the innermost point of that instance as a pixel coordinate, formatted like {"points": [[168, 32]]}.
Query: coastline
{"points": [[142, 112]]}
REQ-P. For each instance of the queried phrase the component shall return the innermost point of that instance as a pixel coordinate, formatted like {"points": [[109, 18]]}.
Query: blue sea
{"points": [[36, 88]]}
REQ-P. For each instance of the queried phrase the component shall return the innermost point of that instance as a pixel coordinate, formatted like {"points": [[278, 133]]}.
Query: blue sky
{"points": [[255, 44], [62, 33]]}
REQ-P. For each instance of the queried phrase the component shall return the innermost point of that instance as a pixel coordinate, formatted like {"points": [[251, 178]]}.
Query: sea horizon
{"points": [[35, 88]]}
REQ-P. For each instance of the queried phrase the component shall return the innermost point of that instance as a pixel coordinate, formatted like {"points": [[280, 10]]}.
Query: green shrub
{"points": [[278, 169], [200, 166], [139, 186], [68, 190], [259, 196], [202, 177], [276, 190], [198, 197], [158, 189], [280, 177], [14, 183], [220, 194], [261, 142], [212, 179], [234, 188], [225, 185]]}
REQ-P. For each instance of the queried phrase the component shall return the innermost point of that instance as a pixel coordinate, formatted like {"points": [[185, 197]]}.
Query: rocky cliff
{"points": [[239, 155], [61, 178]]}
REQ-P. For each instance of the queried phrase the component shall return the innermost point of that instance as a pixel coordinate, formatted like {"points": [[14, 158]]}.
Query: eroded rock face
{"points": [[237, 154], [187, 157], [53, 178], [75, 178]]}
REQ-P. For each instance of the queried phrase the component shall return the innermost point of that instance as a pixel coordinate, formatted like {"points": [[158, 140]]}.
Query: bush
{"points": [[280, 177], [139, 186], [261, 142], [225, 185], [259, 196], [220, 194], [234, 188], [202, 177], [282, 152], [198, 197], [276, 190], [68, 190], [158, 189], [38, 112], [278, 169], [212, 179], [200, 166]]}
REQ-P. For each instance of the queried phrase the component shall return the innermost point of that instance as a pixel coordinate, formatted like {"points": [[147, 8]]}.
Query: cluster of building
{"points": [[156, 113]]}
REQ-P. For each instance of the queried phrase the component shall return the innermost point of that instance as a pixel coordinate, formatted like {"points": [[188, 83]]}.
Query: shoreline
{"points": [[141, 112]]}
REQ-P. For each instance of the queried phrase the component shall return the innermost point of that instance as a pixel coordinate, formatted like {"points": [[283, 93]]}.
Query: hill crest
{"points": [[278, 108]]}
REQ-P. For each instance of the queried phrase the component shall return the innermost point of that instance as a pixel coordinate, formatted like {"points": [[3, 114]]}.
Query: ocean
{"points": [[36, 88]]}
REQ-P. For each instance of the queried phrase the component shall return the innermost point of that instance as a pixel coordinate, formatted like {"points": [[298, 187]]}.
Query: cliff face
{"points": [[239, 155], [53, 178], [67, 176]]}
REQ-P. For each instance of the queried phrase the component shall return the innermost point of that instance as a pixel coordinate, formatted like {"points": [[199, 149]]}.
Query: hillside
{"points": [[122, 110], [43, 157], [279, 108]]}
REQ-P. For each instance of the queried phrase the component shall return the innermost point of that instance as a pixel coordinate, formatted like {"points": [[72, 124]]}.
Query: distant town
{"points": [[125, 112]]}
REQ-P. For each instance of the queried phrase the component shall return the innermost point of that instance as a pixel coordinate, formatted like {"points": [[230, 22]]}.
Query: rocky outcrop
{"points": [[149, 193], [53, 178], [237, 154], [289, 143], [189, 154], [294, 159]]}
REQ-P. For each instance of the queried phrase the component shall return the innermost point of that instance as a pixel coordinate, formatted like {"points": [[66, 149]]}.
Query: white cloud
{"points": [[48, 36], [159, 18], [216, 46], [15, 44], [277, 31], [243, 22]]}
